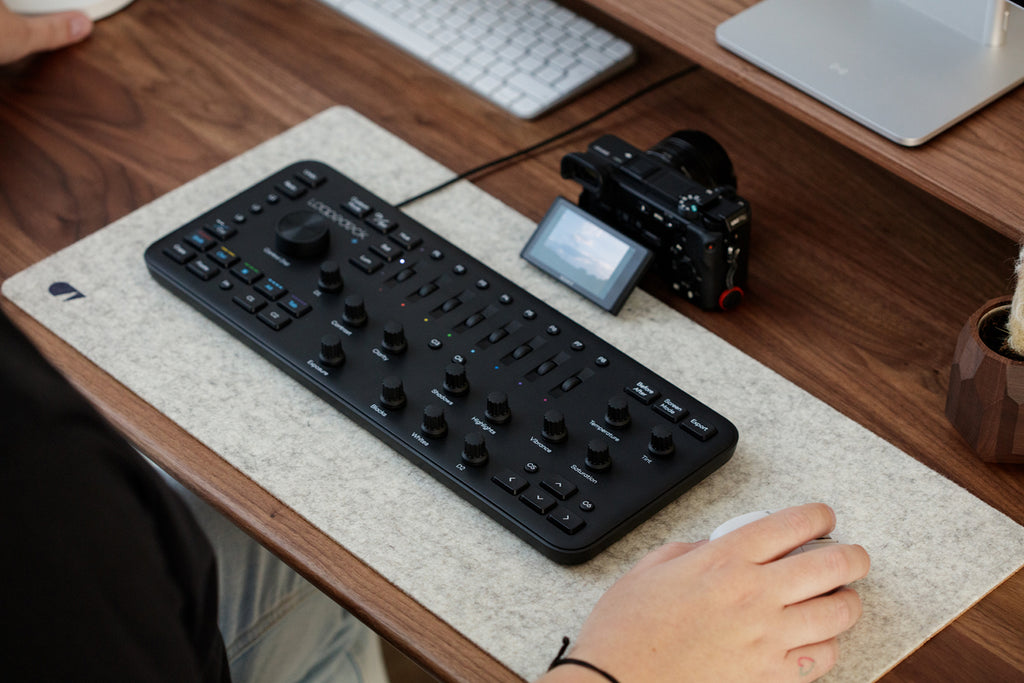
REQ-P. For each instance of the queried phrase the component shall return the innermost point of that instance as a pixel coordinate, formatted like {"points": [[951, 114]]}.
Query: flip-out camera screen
{"points": [[586, 254]]}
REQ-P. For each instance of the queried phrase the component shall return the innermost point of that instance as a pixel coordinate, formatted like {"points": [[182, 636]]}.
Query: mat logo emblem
{"points": [[65, 290]]}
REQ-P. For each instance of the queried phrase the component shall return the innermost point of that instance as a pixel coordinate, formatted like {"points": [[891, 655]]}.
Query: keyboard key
{"points": [[202, 269], [562, 488], [510, 481], [700, 428], [274, 318], [247, 273], [294, 305], [566, 520], [180, 253], [538, 501], [272, 289], [250, 302], [525, 56], [201, 240]]}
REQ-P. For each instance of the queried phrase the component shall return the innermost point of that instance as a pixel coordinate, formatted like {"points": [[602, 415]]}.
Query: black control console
{"points": [[553, 432]]}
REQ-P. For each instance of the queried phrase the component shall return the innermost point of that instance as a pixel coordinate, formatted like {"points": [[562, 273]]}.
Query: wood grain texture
{"points": [[977, 168], [865, 263]]}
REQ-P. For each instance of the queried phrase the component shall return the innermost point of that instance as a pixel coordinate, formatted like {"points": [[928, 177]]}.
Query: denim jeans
{"points": [[277, 627]]}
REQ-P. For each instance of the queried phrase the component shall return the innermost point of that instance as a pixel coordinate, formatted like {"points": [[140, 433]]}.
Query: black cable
{"points": [[557, 136]]}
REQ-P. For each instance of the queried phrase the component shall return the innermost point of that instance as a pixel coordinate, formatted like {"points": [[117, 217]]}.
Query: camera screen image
{"points": [[587, 255]]}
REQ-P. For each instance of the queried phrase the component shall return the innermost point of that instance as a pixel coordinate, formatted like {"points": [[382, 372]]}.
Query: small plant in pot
{"points": [[985, 401]]}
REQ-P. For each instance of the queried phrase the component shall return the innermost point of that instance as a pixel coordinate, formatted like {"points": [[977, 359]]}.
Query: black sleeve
{"points": [[105, 575]]}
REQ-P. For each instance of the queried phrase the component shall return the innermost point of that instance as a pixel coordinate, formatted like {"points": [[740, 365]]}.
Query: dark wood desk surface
{"points": [[977, 168], [860, 280]]}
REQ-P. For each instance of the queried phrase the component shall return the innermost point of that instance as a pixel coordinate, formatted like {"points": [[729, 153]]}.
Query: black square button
{"points": [[566, 520]]}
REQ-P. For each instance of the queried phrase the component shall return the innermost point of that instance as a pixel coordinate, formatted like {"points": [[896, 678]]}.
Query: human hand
{"points": [[727, 610], [21, 35]]}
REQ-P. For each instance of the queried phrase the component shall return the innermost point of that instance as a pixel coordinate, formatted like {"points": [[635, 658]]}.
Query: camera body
{"points": [[679, 200]]}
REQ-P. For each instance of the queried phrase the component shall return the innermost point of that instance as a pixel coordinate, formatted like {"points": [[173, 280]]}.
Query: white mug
{"points": [[95, 9]]}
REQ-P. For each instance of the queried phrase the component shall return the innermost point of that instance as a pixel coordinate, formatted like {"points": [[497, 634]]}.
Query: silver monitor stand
{"points": [[907, 69]]}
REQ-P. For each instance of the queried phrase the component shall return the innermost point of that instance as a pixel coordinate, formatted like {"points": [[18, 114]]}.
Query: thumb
{"points": [[44, 32]]}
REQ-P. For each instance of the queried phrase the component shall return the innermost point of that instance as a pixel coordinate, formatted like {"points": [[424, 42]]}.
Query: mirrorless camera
{"points": [[679, 200]]}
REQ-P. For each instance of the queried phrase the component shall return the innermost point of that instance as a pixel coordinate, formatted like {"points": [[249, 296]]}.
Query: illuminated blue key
{"points": [[294, 305], [272, 289]]}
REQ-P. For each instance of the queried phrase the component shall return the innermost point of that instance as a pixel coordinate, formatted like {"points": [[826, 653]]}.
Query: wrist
{"points": [[571, 674], [574, 663]]}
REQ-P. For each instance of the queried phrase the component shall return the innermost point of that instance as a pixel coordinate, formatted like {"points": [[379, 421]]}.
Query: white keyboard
{"points": [[526, 56]]}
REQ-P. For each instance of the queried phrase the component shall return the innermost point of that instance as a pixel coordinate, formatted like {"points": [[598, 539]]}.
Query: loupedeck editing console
{"points": [[557, 435]]}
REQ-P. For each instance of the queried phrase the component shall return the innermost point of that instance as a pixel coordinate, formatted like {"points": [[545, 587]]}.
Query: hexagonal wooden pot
{"points": [[985, 401]]}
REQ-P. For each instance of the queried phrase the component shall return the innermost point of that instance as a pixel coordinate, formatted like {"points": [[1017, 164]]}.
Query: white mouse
{"points": [[743, 520]]}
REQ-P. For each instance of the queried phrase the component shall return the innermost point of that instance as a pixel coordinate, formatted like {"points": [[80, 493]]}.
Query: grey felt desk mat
{"points": [[936, 549]]}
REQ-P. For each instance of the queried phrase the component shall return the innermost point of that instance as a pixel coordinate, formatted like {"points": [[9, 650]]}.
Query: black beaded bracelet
{"points": [[560, 660]]}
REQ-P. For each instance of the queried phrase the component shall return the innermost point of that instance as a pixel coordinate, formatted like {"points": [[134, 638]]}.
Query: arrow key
{"points": [[510, 481], [567, 521], [562, 488], [538, 501]]}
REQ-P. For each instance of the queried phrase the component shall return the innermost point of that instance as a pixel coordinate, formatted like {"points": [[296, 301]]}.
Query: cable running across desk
{"points": [[554, 138]]}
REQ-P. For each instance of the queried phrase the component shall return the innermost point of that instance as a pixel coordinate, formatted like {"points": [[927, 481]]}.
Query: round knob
{"points": [[434, 422], [392, 392], [394, 337], [498, 411], [303, 234], [474, 449], [331, 351], [355, 311], [599, 458], [618, 412], [554, 426], [455, 380], [661, 444], [330, 277]]}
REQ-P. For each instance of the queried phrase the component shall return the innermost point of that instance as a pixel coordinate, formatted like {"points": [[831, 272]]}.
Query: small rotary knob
{"points": [[455, 380], [498, 410], [599, 458], [661, 444], [330, 277], [392, 392], [474, 449], [554, 429], [355, 311], [617, 414], [394, 337], [434, 423], [331, 351], [303, 234]]}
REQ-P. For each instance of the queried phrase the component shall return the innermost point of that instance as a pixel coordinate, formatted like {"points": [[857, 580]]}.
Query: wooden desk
{"points": [[860, 280], [976, 168]]}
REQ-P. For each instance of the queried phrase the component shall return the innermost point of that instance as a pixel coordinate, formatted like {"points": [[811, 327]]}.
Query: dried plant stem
{"points": [[1015, 325]]}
